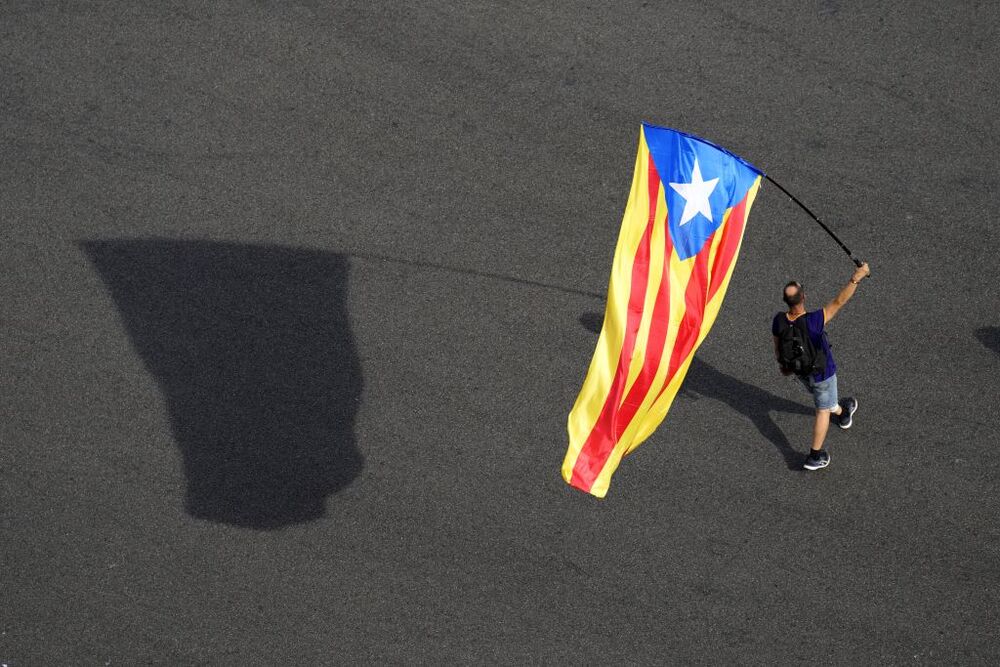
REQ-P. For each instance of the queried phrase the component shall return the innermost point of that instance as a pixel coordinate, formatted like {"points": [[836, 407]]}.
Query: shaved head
{"points": [[793, 294]]}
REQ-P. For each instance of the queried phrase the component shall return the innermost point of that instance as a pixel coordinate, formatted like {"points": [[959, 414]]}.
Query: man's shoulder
{"points": [[816, 318], [776, 322]]}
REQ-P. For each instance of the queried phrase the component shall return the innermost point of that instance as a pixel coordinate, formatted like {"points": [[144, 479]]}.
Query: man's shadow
{"points": [[750, 401], [990, 337], [253, 350]]}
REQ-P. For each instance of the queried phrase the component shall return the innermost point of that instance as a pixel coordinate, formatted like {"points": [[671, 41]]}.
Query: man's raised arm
{"points": [[831, 309]]}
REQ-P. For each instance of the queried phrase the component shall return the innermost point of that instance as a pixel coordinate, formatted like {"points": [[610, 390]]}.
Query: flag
{"points": [[678, 243]]}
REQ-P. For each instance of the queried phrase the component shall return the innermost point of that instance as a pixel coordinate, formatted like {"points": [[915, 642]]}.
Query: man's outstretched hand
{"points": [[861, 272]]}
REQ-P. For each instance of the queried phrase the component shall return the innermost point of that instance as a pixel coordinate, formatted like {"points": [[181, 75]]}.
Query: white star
{"points": [[695, 195]]}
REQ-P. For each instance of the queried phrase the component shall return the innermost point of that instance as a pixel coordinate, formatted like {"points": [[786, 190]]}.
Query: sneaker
{"points": [[817, 460], [848, 407]]}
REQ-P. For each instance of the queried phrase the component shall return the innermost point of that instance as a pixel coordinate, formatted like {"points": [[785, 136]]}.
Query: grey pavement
{"points": [[296, 298]]}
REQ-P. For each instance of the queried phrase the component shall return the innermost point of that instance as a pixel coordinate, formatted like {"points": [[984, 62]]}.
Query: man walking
{"points": [[801, 347]]}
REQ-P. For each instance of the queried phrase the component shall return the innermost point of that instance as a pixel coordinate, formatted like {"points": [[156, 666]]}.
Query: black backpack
{"points": [[796, 352]]}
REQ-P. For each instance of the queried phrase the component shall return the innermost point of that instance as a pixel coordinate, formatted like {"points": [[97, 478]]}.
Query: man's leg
{"points": [[822, 426], [825, 395]]}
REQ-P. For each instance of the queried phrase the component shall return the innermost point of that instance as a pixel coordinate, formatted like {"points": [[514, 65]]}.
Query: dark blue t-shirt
{"points": [[815, 322]]}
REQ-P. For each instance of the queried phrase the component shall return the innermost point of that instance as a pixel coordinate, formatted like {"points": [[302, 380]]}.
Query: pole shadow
{"points": [[753, 402], [990, 337], [253, 350]]}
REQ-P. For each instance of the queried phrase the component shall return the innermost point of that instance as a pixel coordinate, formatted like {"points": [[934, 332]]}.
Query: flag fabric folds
{"points": [[678, 243]]}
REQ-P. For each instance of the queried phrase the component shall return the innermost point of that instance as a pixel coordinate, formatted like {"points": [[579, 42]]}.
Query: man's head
{"points": [[793, 294]]}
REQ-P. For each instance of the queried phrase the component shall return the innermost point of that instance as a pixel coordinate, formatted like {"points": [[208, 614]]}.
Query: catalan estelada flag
{"points": [[680, 236]]}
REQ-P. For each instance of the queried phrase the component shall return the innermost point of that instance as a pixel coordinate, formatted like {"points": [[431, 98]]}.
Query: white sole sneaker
{"points": [[816, 465], [850, 415]]}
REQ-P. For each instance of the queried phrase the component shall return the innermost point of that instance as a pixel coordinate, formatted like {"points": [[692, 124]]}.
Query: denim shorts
{"points": [[824, 393]]}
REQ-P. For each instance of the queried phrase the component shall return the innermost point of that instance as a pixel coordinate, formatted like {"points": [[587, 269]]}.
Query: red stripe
{"points": [[602, 438], [640, 280], [728, 245], [694, 312], [658, 328]]}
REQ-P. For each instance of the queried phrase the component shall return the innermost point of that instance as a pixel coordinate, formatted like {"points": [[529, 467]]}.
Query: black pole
{"points": [[857, 262]]}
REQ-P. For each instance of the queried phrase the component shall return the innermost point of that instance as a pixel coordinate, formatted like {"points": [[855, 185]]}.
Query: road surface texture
{"points": [[296, 298]]}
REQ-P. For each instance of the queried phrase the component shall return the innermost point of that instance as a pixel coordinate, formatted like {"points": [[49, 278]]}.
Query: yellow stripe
{"points": [[605, 360], [680, 274], [717, 239]]}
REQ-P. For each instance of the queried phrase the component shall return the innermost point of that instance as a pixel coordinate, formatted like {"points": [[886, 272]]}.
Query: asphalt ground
{"points": [[296, 298]]}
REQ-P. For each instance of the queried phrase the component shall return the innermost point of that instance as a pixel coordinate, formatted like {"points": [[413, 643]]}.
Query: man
{"points": [[822, 380]]}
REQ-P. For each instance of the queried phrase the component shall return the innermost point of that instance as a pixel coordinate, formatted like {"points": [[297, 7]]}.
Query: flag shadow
{"points": [[753, 402], [253, 350], [989, 337]]}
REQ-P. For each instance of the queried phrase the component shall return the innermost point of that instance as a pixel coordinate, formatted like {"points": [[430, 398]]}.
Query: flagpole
{"points": [[857, 262]]}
